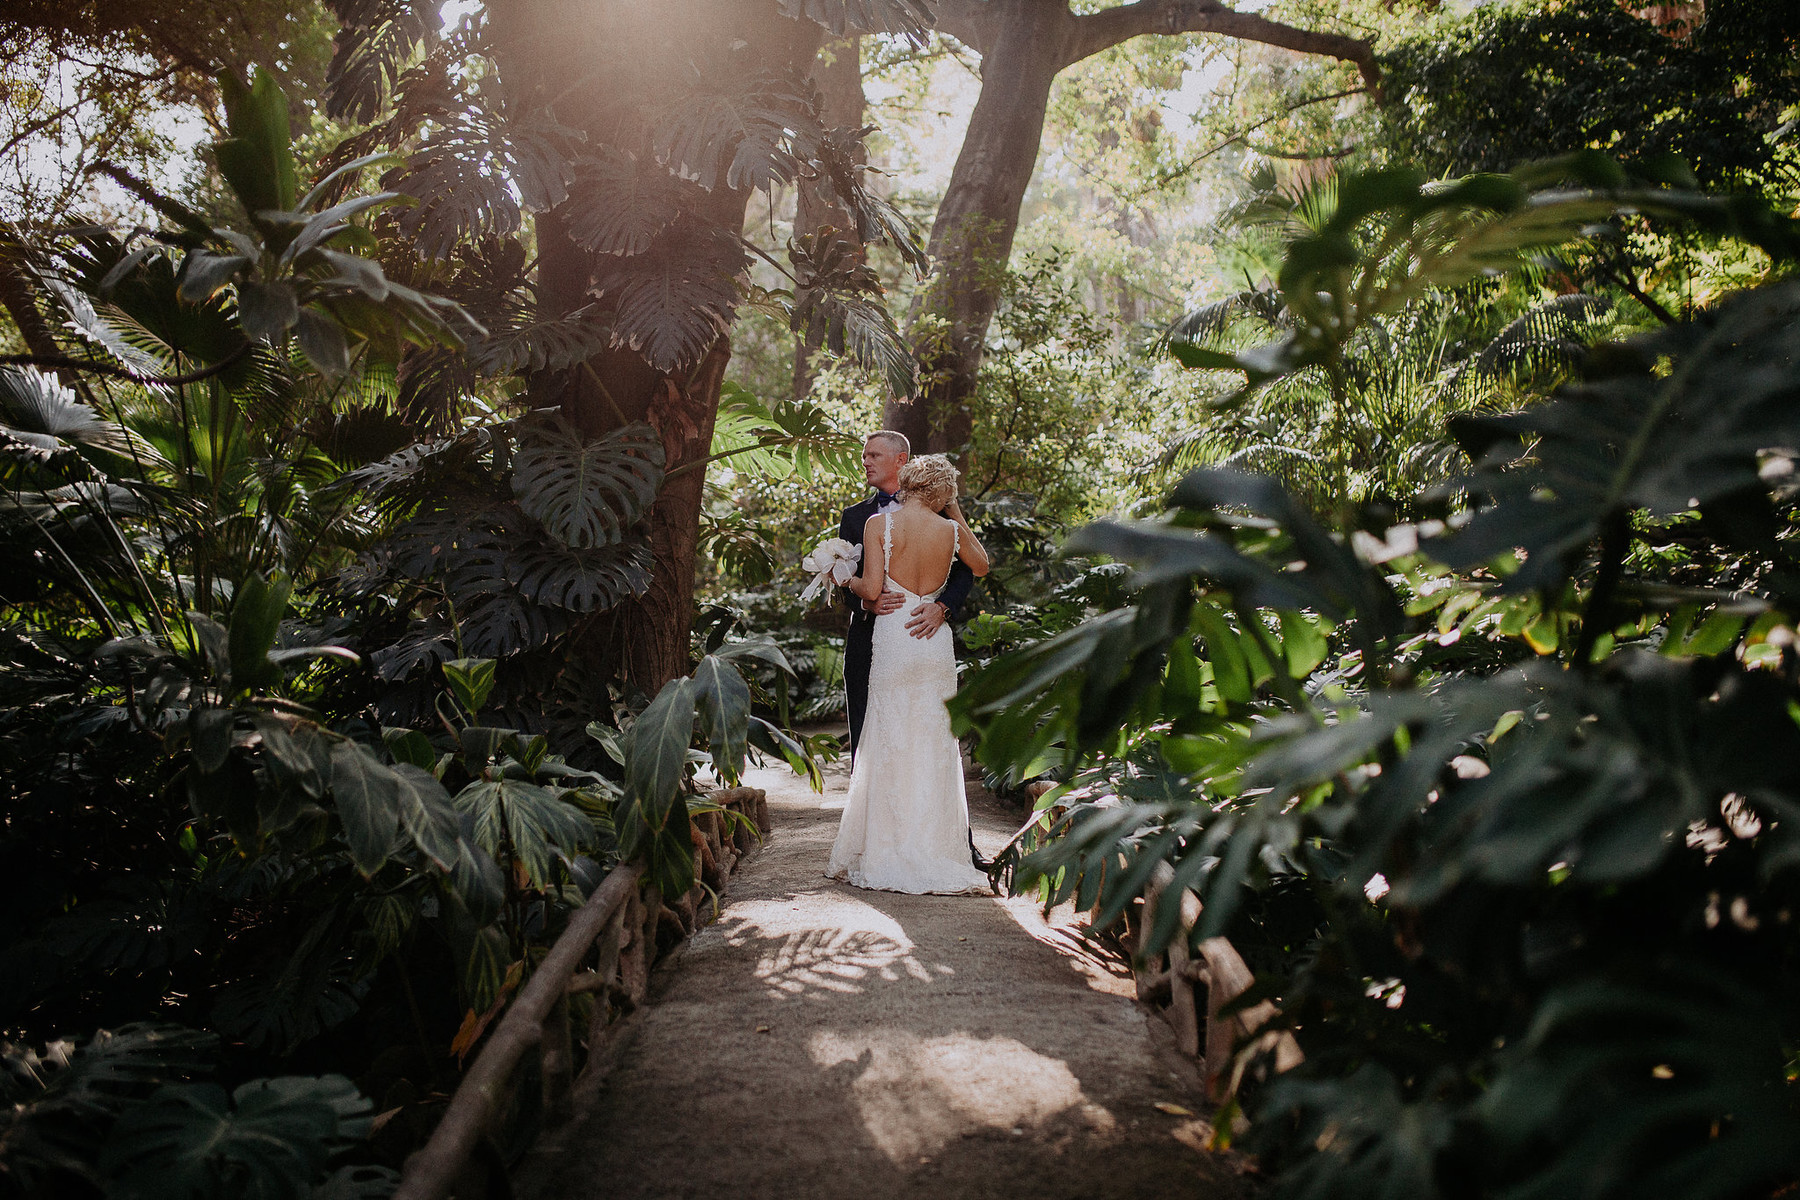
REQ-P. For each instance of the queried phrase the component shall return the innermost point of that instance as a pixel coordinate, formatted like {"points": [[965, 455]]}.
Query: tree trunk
{"points": [[837, 72], [596, 59], [972, 237], [1024, 45], [16, 297]]}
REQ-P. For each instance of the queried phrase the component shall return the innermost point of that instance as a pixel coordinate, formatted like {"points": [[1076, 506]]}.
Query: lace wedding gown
{"points": [[905, 825]]}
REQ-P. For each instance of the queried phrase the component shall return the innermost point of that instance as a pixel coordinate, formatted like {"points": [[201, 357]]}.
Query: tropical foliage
{"points": [[1497, 806], [300, 755]]}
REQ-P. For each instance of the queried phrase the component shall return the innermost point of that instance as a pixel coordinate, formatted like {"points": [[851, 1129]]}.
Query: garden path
{"points": [[821, 1042]]}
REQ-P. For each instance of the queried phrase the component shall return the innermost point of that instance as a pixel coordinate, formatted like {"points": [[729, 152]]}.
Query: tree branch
{"points": [[1098, 31]]}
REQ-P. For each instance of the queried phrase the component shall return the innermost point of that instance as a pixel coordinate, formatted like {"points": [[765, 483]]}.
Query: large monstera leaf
{"points": [[548, 345], [912, 18], [478, 175], [673, 301], [581, 580], [271, 1137], [621, 202], [586, 493], [504, 622], [749, 138], [376, 42]]}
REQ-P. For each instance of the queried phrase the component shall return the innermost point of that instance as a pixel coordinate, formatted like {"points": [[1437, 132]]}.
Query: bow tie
{"points": [[882, 497]]}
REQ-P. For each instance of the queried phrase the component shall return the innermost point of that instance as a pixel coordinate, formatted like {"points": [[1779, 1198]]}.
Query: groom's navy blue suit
{"points": [[859, 641]]}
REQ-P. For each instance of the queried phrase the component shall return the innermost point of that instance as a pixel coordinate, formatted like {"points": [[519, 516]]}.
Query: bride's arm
{"points": [[868, 585], [969, 546]]}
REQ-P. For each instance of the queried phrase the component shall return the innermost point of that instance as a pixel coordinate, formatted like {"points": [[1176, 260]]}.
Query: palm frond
{"points": [[1210, 324], [41, 415], [1552, 335]]}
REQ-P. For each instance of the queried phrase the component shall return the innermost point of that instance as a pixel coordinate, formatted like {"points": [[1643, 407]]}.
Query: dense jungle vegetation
{"points": [[1384, 417]]}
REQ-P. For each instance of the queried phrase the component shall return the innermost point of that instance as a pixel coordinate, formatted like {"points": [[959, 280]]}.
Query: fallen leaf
{"points": [[1172, 1108]]}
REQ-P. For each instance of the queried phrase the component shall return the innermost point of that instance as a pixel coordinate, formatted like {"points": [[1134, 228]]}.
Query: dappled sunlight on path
{"points": [[821, 1041], [798, 954], [915, 1094]]}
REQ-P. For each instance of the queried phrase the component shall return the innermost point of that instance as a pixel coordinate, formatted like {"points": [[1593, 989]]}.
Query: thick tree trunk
{"points": [[17, 299], [972, 237], [1024, 45], [837, 72], [597, 59]]}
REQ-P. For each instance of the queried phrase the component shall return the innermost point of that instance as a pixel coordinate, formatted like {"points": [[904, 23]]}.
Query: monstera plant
{"points": [[294, 709], [1500, 809]]}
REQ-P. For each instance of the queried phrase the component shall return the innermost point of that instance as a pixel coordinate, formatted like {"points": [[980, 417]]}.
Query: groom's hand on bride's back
{"points": [[887, 602], [927, 618]]}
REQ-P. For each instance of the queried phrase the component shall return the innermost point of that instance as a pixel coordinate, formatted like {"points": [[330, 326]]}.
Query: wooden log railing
{"points": [[1231, 1040], [617, 931]]}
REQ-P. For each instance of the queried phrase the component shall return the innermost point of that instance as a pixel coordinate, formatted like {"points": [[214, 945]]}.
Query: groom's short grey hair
{"points": [[896, 440]]}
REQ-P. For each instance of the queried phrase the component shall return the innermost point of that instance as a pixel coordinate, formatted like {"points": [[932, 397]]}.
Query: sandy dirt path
{"points": [[821, 1042]]}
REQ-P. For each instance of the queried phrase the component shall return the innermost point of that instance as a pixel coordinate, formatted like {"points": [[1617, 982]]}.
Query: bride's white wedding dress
{"points": [[905, 825]]}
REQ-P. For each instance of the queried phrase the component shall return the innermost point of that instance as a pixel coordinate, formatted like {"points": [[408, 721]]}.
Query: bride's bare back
{"points": [[924, 549]]}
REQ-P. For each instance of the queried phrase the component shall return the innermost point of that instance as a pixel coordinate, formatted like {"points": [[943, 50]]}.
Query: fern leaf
{"points": [[585, 493]]}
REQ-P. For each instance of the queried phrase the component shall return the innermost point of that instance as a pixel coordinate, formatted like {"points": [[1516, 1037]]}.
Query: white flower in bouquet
{"points": [[833, 560]]}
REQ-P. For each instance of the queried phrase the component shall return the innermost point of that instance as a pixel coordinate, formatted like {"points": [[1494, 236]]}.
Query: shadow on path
{"points": [[821, 1041]]}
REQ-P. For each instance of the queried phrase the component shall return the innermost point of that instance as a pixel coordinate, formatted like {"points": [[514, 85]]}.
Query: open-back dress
{"points": [[906, 823]]}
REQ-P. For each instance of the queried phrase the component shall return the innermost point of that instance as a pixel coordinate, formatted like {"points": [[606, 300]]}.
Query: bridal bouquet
{"points": [[834, 561]]}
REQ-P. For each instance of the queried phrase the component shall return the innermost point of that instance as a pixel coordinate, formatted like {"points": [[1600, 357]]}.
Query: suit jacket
{"points": [[862, 621]]}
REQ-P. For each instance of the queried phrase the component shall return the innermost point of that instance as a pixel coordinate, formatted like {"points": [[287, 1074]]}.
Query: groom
{"points": [[883, 455]]}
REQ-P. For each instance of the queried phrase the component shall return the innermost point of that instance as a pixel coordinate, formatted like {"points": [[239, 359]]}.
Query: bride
{"points": [[905, 825]]}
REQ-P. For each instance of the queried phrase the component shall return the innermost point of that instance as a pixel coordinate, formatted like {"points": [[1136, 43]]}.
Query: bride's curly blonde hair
{"points": [[931, 478]]}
